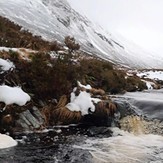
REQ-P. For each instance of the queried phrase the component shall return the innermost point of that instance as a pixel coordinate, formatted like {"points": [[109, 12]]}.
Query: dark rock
{"points": [[100, 131]]}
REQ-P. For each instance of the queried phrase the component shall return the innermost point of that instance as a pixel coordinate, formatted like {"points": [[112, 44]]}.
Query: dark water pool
{"points": [[55, 145]]}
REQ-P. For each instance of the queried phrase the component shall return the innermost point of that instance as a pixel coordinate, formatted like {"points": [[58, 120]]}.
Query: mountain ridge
{"points": [[53, 20]]}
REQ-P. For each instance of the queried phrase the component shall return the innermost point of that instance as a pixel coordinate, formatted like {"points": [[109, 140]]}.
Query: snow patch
{"points": [[6, 65], [6, 141], [13, 95], [156, 75], [83, 102], [83, 86], [149, 85], [8, 49]]}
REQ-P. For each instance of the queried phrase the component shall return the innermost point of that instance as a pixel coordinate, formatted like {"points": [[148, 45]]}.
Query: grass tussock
{"points": [[59, 114]]}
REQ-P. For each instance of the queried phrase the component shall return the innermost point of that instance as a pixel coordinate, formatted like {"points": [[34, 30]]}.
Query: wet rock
{"points": [[100, 131], [124, 108], [103, 116]]}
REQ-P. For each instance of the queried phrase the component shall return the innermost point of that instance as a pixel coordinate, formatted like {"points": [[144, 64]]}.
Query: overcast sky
{"points": [[138, 20]]}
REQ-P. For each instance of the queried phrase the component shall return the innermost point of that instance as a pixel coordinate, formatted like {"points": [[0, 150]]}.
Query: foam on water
{"points": [[125, 147]]}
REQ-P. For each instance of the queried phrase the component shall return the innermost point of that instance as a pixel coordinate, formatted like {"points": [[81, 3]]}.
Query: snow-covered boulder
{"points": [[13, 95]]}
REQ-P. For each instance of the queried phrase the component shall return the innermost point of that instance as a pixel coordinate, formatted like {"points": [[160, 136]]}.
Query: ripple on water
{"points": [[150, 102]]}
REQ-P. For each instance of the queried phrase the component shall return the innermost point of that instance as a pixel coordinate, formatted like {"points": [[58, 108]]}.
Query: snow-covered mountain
{"points": [[55, 19]]}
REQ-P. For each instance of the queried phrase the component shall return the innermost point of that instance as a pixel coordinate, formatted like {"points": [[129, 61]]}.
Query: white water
{"points": [[150, 95], [125, 147], [136, 146]]}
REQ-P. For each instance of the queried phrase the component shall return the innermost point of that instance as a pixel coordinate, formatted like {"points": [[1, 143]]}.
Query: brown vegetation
{"points": [[37, 75], [55, 46], [64, 116], [46, 78], [105, 108], [60, 114], [12, 35]]}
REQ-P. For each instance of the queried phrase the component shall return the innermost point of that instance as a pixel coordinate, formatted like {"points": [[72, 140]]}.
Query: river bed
{"points": [[77, 144]]}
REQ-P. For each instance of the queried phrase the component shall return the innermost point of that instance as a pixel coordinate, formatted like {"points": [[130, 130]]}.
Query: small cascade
{"points": [[139, 125], [133, 124]]}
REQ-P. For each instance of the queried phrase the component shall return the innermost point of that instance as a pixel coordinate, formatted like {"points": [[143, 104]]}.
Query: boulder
{"points": [[99, 131]]}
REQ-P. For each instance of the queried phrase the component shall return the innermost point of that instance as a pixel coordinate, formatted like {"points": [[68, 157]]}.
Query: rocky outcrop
{"points": [[21, 118], [30, 120]]}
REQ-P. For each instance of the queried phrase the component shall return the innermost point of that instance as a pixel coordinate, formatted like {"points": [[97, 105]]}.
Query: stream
{"points": [[140, 139]]}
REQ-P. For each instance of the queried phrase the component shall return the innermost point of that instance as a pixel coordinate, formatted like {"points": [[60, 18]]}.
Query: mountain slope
{"points": [[55, 19]]}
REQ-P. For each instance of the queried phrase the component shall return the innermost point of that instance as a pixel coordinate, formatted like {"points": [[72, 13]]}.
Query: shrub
{"points": [[134, 83], [55, 46], [47, 78], [71, 43], [91, 70], [113, 81]]}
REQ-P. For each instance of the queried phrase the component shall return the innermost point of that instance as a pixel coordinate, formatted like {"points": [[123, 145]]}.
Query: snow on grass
{"points": [[156, 75], [23, 52], [6, 65], [8, 49], [13, 95], [149, 85], [83, 86], [6, 141], [83, 102]]}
